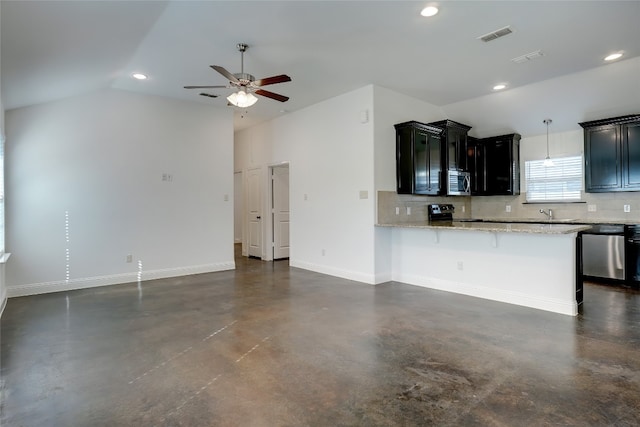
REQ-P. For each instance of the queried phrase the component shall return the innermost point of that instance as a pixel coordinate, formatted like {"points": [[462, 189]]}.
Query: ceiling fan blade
{"points": [[272, 80], [204, 87], [272, 95], [225, 73], [210, 95]]}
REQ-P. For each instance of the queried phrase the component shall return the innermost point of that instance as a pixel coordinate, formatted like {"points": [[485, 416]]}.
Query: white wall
{"points": [[238, 207], [331, 159], [3, 285], [101, 159], [561, 144], [389, 109]]}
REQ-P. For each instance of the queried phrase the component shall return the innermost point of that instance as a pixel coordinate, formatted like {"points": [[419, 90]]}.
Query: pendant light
{"points": [[547, 161]]}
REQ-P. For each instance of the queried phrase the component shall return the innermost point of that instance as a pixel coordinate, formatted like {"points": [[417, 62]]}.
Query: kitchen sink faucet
{"points": [[549, 214]]}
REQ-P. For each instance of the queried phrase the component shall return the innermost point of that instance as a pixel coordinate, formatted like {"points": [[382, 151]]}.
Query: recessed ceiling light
{"points": [[500, 86], [139, 76], [613, 56], [429, 11]]}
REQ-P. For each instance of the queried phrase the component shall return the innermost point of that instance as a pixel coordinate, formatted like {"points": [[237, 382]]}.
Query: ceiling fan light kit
{"points": [[242, 99], [246, 84]]}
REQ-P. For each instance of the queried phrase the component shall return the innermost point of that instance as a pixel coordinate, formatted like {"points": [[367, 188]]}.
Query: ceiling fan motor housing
{"points": [[245, 78]]}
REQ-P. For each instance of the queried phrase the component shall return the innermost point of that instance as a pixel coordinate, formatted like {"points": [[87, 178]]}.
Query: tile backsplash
{"points": [[606, 207], [388, 201]]}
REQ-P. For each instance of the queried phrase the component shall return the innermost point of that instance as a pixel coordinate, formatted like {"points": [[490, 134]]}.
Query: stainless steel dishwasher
{"points": [[603, 251]]}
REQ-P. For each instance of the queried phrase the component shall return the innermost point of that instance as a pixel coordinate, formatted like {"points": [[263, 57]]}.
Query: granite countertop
{"points": [[495, 227], [559, 221]]}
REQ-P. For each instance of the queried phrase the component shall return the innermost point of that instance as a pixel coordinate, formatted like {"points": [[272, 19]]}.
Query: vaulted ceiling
{"points": [[56, 49]]}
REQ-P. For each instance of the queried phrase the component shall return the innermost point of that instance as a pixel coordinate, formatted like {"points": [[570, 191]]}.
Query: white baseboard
{"points": [[369, 279], [533, 301], [114, 279], [383, 278]]}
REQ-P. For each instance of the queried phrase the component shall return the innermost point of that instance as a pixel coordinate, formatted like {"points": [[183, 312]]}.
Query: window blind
{"points": [[560, 182]]}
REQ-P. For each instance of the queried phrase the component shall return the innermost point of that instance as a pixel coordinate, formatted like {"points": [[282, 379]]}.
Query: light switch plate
{"points": [[364, 194], [508, 208], [591, 208], [627, 208], [408, 210]]}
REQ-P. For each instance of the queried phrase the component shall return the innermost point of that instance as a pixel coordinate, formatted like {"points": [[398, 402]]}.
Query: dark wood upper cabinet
{"points": [[495, 165], [612, 154], [419, 159], [631, 156], [454, 138]]}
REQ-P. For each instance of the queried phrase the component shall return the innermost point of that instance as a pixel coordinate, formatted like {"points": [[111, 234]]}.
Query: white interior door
{"points": [[254, 220], [280, 209]]}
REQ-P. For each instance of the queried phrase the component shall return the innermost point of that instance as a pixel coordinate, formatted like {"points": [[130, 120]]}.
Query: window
{"points": [[561, 182]]}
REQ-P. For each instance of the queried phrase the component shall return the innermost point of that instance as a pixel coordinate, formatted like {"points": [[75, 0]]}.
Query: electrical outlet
{"points": [[508, 208], [627, 208], [129, 258], [397, 210], [591, 208], [464, 208], [226, 197], [460, 266], [324, 252], [408, 210], [306, 197]]}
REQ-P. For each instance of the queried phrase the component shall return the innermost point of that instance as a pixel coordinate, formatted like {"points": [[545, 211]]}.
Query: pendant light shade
{"points": [[547, 160], [242, 99]]}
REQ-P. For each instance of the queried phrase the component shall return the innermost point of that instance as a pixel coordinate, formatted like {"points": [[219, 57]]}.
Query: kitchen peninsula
{"points": [[532, 265]]}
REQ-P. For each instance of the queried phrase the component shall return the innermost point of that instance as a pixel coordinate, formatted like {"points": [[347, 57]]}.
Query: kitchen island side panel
{"points": [[532, 270]]}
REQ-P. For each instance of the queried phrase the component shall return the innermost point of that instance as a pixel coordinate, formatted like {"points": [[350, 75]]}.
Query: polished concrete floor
{"points": [[269, 345]]}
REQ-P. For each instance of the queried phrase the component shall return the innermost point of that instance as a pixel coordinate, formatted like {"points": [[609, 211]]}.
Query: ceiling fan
{"points": [[246, 84]]}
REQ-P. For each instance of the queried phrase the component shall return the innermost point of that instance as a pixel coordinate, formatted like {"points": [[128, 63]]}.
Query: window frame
{"points": [[566, 178]]}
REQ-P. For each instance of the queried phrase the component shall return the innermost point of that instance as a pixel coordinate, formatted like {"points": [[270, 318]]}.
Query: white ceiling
{"points": [[52, 50]]}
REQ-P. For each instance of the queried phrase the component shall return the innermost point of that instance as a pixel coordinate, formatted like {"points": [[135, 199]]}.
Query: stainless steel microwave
{"points": [[458, 183]]}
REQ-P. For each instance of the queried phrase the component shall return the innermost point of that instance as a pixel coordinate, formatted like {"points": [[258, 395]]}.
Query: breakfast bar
{"points": [[532, 264]]}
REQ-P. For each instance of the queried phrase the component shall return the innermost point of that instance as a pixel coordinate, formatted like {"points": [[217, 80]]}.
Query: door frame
{"points": [[238, 207], [268, 224], [245, 238]]}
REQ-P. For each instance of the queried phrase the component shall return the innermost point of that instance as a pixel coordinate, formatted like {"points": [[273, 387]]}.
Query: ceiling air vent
{"points": [[496, 34], [528, 57]]}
